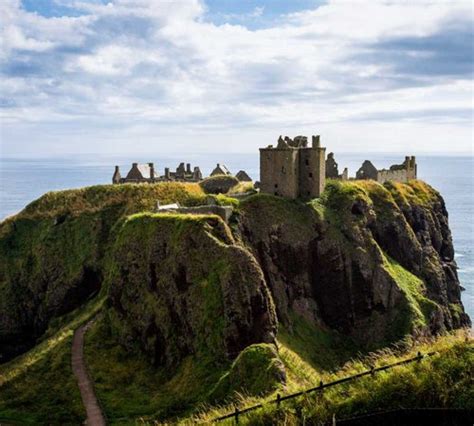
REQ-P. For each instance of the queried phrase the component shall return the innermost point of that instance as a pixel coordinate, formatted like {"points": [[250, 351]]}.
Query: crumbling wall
{"points": [[393, 175], [312, 172], [332, 171], [279, 171]]}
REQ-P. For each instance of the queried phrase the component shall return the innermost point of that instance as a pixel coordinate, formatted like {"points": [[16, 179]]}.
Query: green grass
{"points": [[45, 393], [220, 184], [416, 313], [242, 188], [293, 216], [415, 192], [256, 371], [129, 387], [38, 387], [131, 197], [62, 329], [340, 195], [320, 348], [443, 380]]}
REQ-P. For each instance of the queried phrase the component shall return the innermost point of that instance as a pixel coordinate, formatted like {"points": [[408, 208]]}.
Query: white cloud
{"points": [[162, 66]]}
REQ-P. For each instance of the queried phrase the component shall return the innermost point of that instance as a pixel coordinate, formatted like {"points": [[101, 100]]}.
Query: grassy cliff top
{"points": [[133, 197], [338, 194], [143, 197]]}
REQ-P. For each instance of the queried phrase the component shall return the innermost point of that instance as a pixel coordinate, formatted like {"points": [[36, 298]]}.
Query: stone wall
{"points": [[279, 171], [312, 172], [393, 175], [399, 172]]}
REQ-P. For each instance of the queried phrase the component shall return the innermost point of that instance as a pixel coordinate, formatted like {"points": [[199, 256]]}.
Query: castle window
{"points": [[283, 170], [276, 185], [307, 162], [308, 193], [310, 175]]}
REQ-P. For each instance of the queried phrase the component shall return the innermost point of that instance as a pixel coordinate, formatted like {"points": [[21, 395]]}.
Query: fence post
{"points": [[419, 356], [372, 370], [236, 415], [278, 400]]}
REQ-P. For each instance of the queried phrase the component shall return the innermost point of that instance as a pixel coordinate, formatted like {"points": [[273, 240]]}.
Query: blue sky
{"points": [[159, 76]]}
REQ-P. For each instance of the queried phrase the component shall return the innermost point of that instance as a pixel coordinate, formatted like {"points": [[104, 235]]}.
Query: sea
{"points": [[22, 180]]}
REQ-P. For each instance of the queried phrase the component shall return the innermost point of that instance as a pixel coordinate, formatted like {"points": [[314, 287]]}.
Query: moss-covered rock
{"points": [[256, 371], [179, 285], [371, 261], [52, 254]]}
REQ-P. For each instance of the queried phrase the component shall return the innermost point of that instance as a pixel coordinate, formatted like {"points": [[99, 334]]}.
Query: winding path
{"points": [[91, 404]]}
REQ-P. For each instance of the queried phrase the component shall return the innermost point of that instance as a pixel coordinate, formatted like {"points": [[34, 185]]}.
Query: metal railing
{"points": [[279, 399]]}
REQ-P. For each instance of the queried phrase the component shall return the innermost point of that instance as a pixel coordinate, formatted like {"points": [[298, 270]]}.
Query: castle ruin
{"points": [[146, 173], [293, 169], [332, 170], [398, 172]]}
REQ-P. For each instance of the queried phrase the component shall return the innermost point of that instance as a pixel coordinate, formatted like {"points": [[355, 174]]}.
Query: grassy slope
{"points": [[38, 386], [443, 380], [129, 388], [46, 394]]}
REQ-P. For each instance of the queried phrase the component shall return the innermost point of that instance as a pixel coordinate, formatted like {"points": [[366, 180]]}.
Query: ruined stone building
{"points": [[398, 172], [147, 173], [332, 170], [221, 169], [242, 176], [183, 174], [293, 169]]}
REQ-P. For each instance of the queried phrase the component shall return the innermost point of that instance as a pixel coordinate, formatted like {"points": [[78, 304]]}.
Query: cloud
{"points": [[126, 64], [447, 52]]}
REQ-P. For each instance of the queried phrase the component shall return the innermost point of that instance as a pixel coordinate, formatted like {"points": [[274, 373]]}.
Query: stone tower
{"points": [[292, 169]]}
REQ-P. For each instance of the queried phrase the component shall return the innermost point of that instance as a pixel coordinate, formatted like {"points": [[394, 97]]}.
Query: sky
{"points": [[162, 76]]}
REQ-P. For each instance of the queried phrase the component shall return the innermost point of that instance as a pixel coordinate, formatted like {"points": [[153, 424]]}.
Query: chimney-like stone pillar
{"points": [[152, 170], [116, 178], [167, 173], [316, 141], [188, 168]]}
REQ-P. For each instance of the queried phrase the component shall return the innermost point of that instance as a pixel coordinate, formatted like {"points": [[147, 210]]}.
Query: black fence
{"points": [[279, 399]]}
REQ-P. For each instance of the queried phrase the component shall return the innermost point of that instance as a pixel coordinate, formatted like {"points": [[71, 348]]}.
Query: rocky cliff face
{"points": [[372, 262], [52, 253], [181, 286]]}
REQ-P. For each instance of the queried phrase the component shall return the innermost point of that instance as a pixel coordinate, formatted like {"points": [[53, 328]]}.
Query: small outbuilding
{"points": [[221, 169], [242, 176]]}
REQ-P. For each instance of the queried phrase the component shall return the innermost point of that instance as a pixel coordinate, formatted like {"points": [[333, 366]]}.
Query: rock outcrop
{"points": [[180, 286], [52, 254], [365, 260]]}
